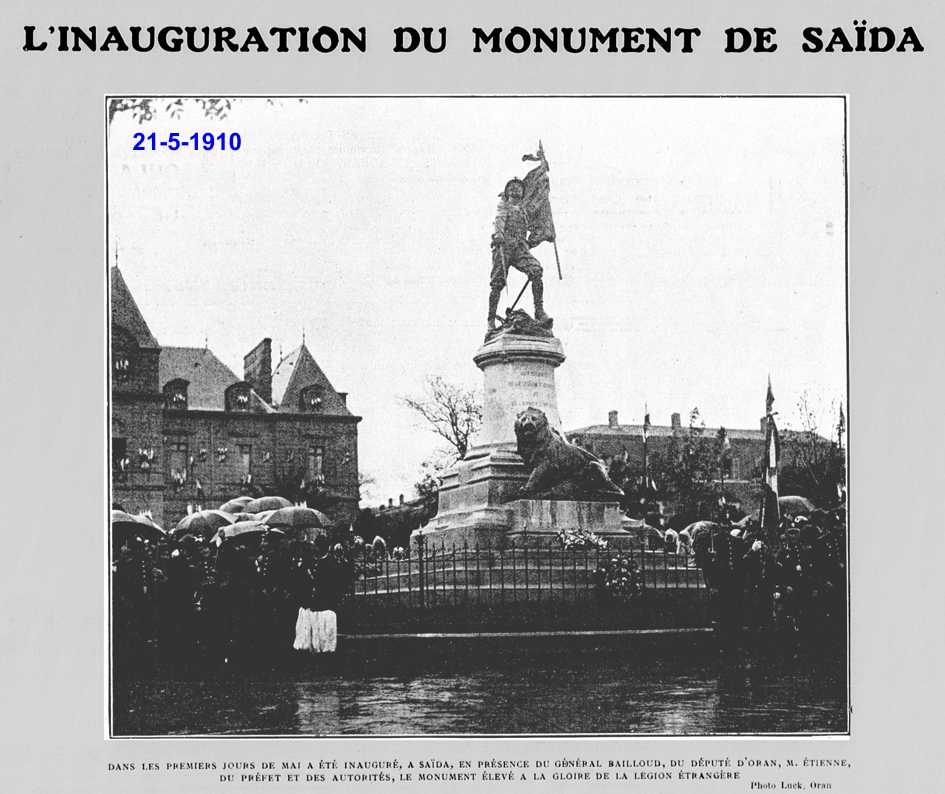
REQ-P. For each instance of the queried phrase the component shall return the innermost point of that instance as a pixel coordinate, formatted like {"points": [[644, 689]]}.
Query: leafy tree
{"points": [[686, 470], [144, 109], [723, 453], [427, 486]]}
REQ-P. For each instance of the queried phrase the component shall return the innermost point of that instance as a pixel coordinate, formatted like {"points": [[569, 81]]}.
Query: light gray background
{"points": [[54, 321]]}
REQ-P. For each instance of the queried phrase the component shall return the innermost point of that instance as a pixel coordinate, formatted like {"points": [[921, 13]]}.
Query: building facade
{"points": [[746, 446], [187, 432], [738, 476]]}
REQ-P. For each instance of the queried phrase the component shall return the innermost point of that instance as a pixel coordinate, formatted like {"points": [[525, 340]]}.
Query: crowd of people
{"points": [[245, 601], [786, 584], [263, 598]]}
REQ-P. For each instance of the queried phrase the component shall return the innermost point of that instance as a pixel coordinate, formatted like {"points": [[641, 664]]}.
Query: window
{"points": [[245, 459], [120, 460], [311, 399], [236, 397], [735, 469], [177, 460], [122, 364], [175, 395], [316, 464]]}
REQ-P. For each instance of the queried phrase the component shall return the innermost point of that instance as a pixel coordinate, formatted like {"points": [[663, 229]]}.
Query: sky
{"points": [[702, 244]]}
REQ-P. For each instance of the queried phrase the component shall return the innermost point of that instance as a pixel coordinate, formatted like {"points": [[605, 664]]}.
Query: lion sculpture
{"points": [[560, 470]]}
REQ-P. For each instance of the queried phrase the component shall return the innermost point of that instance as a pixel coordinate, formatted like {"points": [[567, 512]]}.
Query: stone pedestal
{"points": [[518, 373], [538, 521], [478, 502]]}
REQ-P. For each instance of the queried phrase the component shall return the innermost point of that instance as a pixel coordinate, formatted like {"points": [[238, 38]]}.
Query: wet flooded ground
{"points": [[540, 691]]}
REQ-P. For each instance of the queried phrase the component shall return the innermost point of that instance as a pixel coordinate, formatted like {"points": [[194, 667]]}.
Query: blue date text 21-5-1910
{"points": [[198, 141]]}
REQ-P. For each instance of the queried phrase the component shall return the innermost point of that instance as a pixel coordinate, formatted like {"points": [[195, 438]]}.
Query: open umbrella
{"points": [[791, 505], [700, 528], [144, 518], [795, 505], [125, 525], [121, 517], [203, 522], [298, 517], [649, 536], [236, 505], [243, 528], [266, 503], [244, 517], [302, 523]]}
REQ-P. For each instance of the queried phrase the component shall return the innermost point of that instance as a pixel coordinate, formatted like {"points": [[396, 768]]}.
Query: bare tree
{"points": [[811, 465], [453, 412]]}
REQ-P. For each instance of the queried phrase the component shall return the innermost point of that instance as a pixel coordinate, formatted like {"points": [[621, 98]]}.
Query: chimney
{"points": [[390, 503], [257, 369], [675, 422], [612, 419], [401, 498]]}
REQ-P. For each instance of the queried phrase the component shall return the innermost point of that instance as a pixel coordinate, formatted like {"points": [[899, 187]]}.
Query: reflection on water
{"points": [[561, 694]]}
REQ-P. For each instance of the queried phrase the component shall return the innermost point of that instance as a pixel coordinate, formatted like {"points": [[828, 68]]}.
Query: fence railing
{"points": [[431, 572]]}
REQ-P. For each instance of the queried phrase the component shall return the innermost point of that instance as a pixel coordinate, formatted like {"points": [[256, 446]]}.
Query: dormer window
{"points": [[237, 397], [175, 395], [312, 399]]}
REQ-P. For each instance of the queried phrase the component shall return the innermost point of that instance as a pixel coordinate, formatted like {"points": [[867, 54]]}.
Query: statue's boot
{"points": [[538, 292], [493, 308]]}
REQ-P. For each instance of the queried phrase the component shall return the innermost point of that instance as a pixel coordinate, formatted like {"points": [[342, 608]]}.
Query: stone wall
{"points": [[578, 610]]}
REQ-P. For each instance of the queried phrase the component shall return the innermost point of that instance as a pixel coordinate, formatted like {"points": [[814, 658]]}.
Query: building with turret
{"points": [[187, 431]]}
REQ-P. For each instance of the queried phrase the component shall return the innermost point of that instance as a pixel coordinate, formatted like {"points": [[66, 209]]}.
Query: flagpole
{"points": [[540, 157], [646, 475], [722, 473], [522, 292]]}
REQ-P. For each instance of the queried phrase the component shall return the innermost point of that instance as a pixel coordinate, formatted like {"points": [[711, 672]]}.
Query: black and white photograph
{"points": [[477, 415]]}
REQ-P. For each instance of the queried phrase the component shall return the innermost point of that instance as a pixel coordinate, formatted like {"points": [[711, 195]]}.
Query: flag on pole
{"points": [[770, 509], [646, 424], [773, 445], [537, 202], [772, 454], [841, 423]]}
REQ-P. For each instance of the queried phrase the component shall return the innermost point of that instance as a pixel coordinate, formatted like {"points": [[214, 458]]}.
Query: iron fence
{"points": [[430, 572]]}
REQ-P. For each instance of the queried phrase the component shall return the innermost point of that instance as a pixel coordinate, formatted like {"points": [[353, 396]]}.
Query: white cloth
{"points": [[316, 631]]}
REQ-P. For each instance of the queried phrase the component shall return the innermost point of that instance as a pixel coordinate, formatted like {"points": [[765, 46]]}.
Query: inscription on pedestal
{"points": [[517, 373]]}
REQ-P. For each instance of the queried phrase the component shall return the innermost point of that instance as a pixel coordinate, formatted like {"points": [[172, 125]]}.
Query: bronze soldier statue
{"points": [[523, 220]]}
